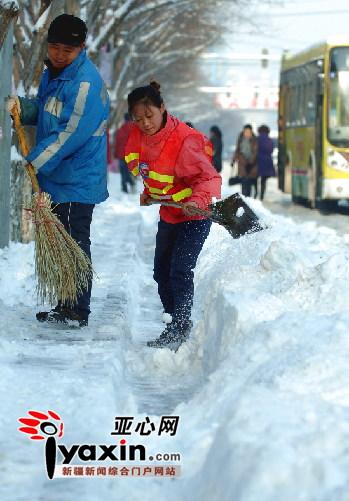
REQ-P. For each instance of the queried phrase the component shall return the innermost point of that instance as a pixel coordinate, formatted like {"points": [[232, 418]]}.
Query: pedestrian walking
{"points": [[246, 156], [217, 143], [70, 112], [264, 157], [174, 161], [121, 137]]}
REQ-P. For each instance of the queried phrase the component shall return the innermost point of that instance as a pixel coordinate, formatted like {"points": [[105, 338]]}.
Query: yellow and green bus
{"points": [[313, 155]]}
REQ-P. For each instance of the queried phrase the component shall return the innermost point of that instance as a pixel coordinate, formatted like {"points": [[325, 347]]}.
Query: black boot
{"points": [[176, 333], [63, 315], [43, 316]]}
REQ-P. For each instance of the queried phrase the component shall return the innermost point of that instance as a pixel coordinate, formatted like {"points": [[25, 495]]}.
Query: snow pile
{"points": [[261, 386]]}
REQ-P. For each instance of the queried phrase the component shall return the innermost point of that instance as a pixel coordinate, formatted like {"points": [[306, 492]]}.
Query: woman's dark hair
{"points": [[216, 130], [264, 129], [248, 126], [148, 95]]}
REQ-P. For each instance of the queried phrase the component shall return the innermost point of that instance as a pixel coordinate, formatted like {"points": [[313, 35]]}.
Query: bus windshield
{"points": [[338, 119]]}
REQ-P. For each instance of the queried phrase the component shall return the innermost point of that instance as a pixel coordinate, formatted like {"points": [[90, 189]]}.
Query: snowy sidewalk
{"points": [[261, 387]]}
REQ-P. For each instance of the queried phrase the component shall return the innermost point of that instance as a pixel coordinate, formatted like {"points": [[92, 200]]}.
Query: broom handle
{"points": [[24, 148]]}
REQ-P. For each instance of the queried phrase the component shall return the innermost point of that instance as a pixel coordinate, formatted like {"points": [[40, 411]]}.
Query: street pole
{"points": [[5, 137]]}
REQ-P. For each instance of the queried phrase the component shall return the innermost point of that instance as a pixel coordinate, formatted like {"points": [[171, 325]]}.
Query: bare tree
{"points": [[8, 11], [152, 39], [144, 37], [30, 32]]}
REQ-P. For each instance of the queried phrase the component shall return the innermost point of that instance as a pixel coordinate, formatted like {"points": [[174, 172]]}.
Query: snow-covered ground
{"points": [[261, 386]]}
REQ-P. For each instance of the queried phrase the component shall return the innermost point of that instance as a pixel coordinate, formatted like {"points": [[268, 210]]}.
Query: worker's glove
{"points": [[144, 199], [190, 208], [11, 102]]}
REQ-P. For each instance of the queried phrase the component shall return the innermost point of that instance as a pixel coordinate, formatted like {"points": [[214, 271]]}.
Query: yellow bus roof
{"points": [[311, 53]]}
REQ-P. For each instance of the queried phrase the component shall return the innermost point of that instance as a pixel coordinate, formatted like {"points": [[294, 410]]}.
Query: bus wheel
{"points": [[327, 206]]}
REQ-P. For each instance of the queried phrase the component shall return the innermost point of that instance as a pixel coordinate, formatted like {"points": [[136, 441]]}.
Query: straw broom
{"points": [[62, 268]]}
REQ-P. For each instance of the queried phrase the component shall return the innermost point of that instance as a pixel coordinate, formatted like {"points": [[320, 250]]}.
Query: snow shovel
{"points": [[233, 213]]}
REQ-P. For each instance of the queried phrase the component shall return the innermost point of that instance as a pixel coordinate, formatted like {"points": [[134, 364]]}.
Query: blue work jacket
{"points": [[70, 112]]}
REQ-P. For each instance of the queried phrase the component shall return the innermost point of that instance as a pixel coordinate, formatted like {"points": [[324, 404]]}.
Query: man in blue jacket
{"points": [[70, 155]]}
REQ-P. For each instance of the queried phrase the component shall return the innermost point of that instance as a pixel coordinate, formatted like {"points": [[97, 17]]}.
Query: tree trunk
{"points": [[72, 7], [6, 15], [21, 225]]}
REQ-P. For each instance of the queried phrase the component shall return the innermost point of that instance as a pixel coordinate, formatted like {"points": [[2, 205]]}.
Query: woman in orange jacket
{"points": [[175, 163]]}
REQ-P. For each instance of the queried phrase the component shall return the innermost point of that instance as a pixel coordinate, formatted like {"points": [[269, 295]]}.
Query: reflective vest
{"points": [[159, 174]]}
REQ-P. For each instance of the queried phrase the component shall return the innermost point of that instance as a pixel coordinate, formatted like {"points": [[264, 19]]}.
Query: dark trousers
{"points": [[76, 219], [177, 249], [263, 185], [126, 176], [246, 186]]}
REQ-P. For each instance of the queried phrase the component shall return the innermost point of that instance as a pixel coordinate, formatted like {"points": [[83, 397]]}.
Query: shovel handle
{"points": [[23, 144], [178, 205]]}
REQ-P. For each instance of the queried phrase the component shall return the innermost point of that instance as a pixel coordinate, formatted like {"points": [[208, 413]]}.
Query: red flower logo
{"points": [[40, 424]]}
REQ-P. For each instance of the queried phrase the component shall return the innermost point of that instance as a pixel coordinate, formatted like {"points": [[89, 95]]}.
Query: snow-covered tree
{"points": [[8, 11]]}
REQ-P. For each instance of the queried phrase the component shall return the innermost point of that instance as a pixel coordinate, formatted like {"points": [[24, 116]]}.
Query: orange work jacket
{"points": [[158, 175]]}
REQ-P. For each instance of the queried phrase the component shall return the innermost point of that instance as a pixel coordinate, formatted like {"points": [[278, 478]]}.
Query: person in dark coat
{"points": [[217, 143], [264, 157], [246, 156]]}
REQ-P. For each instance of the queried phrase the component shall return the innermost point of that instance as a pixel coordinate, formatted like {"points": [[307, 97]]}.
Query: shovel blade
{"points": [[236, 216]]}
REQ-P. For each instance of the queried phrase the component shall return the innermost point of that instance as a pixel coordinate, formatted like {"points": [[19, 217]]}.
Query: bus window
{"points": [[288, 106], [302, 115], [338, 114], [294, 105], [310, 103]]}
